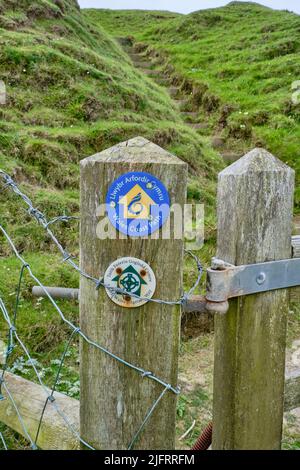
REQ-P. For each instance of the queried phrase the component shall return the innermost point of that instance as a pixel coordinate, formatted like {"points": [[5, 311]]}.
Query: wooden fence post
{"points": [[255, 205], [114, 398]]}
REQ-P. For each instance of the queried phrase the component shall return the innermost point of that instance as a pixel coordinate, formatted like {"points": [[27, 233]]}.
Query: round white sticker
{"points": [[133, 276]]}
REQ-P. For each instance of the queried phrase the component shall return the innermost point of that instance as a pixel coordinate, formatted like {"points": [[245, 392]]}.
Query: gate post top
{"points": [[136, 150], [255, 207], [257, 160], [145, 335]]}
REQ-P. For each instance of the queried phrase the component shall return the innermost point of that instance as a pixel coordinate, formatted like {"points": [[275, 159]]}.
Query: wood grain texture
{"points": [[30, 399], [55, 434], [115, 399], [255, 203]]}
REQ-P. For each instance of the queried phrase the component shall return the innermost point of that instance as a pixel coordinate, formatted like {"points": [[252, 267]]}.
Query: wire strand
{"points": [[3, 441], [13, 335], [67, 257]]}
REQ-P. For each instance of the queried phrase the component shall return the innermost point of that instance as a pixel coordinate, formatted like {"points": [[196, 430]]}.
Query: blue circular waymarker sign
{"points": [[138, 204]]}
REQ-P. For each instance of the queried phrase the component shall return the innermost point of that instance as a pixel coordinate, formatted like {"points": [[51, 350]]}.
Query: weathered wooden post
{"points": [[114, 398], [255, 205]]}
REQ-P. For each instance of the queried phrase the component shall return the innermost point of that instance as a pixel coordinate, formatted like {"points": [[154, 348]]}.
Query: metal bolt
{"points": [[261, 278], [127, 298], [119, 271], [143, 273]]}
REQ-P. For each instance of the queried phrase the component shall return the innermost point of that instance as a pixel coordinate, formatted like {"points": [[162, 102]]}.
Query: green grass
{"points": [[40, 328], [72, 91], [128, 21], [240, 61]]}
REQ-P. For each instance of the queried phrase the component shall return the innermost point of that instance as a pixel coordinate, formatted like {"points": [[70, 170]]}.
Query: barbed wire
{"points": [[13, 332], [50, 395], [148, 415], [62, 218], [51, 398], [140, 370], [13, 335], [67, 257], [23, 425]]}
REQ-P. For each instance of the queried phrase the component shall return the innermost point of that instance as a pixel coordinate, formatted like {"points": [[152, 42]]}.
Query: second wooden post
{"points": [[115, 399], [255, 207]]}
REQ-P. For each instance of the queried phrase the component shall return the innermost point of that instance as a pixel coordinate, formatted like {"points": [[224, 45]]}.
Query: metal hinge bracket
{"points": [[226, 281]]}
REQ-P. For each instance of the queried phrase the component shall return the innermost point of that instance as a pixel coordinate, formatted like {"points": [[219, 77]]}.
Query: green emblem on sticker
{"points": [[133, 276], [130, 280]]}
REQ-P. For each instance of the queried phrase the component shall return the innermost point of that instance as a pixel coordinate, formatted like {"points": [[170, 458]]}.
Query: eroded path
{"points": [[196, 381], [156, 72]]}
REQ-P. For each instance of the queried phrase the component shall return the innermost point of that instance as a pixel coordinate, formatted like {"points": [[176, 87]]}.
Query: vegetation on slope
{"points": [[124, 22], [240, 61], [72, 91]]}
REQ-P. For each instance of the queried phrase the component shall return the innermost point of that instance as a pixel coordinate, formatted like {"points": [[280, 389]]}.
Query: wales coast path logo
{"points": [[138, 204], [133, 276]]}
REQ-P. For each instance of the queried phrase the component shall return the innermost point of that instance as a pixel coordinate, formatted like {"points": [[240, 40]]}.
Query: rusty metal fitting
{"points": [[220, 308]]}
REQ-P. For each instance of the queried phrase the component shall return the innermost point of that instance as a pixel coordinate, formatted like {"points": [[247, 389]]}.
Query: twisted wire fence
{"points": [[14, 340]]}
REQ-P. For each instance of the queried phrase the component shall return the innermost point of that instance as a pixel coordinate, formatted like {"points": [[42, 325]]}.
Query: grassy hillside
{"points": [[240, 61], [72, 92], [128, 21]]}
